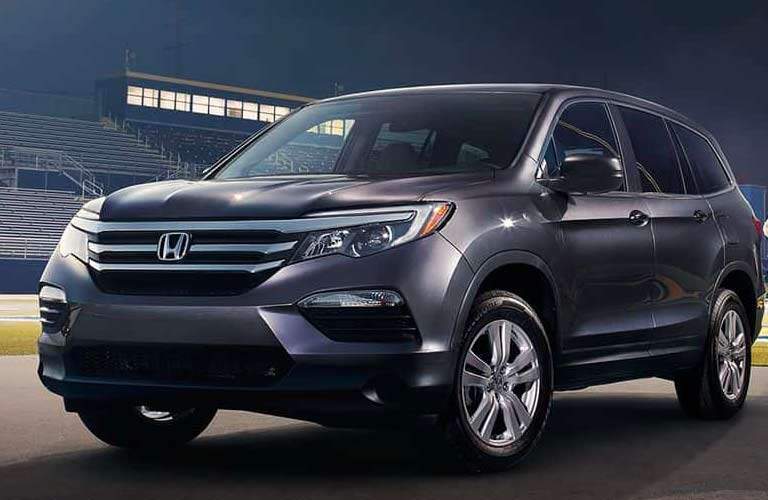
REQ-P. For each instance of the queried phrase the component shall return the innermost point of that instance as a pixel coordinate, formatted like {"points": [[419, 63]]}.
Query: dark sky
{"points": [[707, 59]]}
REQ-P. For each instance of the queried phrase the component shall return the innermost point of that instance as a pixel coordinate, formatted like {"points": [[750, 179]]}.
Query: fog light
{"points": [[52, 294], [53, 309], [353, 298]]}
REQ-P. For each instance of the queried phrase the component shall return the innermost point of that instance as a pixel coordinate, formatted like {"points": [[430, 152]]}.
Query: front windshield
{"points": [[407, 134]]}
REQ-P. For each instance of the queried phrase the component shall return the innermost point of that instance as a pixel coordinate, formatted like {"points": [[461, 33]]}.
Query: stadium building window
{"points": [[216, 106], [200, 104], [182, 102], [167, 100], [281, 112], [134, 95], [234, 109], [266, 113], [337, 127], [250, 111], [324, 128], [150, 97]]}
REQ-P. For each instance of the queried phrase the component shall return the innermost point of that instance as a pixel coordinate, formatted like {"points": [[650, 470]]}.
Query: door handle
{"points": [[638, 218], [700, 216]]}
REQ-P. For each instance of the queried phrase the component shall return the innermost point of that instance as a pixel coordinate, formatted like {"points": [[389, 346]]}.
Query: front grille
{"points": [[252, 366], [364, 324], [223, 257], [216, 263]]}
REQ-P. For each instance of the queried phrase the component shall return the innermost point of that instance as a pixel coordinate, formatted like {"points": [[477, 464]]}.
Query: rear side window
{"points": [[583, 128], [654, 152], [707, 169]]}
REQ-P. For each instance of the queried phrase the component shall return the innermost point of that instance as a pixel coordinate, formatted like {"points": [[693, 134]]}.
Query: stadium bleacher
{"points": [[31, 221], [47, 165], [195, 146], [57, 151], [114, 157]]}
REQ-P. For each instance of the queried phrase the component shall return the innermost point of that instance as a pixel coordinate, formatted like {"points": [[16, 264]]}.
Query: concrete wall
{"points": [[20, 276]]}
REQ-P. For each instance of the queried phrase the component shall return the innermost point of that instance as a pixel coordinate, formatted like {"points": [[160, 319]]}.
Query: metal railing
{"points": [[176, 168], [26, 249], [52, 160]]}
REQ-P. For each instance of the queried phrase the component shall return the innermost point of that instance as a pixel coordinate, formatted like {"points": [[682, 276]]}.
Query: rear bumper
{"points": [[321, 379]]}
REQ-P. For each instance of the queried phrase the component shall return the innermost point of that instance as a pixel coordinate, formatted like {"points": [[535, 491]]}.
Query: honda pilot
{"points": [[448, 253]]}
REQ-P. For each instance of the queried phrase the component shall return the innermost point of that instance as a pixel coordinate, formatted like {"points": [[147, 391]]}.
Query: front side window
{"points": [[583, 128], [708, 171], [654, 150], [410, 134]]}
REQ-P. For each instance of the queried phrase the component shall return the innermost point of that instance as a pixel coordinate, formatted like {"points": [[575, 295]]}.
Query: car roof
{"points": [[557, 92]]}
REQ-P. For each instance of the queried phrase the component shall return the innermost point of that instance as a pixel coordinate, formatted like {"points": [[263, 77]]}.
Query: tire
{"points": [[486, 425], [142, 428], [700, 392]]}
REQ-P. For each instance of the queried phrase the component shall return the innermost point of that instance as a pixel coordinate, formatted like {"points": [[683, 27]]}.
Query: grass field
{"points": [[19, 337]]}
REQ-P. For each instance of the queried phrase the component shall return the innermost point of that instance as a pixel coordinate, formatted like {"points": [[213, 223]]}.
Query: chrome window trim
{"points": [[249, 268]]}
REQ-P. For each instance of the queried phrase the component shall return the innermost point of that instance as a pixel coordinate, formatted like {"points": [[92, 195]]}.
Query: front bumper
{"points": [[322, 379]]}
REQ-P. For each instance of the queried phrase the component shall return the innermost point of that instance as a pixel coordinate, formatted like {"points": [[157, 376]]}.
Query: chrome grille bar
{"points": [[265, 248], [243, 247], [282, 225], [101, 248], [249, 268]]}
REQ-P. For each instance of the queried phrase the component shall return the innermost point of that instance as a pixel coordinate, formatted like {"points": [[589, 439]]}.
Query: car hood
{"points": [[273, 197]]}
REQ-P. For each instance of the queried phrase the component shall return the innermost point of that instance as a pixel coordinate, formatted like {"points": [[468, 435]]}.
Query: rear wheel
{"points": [[503, 384], [718, 387], [146, 427]]}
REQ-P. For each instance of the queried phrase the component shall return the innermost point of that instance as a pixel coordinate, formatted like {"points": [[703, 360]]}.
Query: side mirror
{"points": [[588, 173]]}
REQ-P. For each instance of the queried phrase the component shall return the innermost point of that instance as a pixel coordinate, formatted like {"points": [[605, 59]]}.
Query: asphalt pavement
{"points": [[622, 441]]}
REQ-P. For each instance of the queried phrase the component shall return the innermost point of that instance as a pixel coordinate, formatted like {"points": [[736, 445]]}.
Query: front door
{"points": [[606, 255]]}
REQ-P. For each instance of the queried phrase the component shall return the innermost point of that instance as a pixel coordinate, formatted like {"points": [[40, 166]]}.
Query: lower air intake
{"points": [[251, 366]]}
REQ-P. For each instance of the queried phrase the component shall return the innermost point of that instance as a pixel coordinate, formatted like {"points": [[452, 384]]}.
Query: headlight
{"points": [[359, 241], [74, 242]]}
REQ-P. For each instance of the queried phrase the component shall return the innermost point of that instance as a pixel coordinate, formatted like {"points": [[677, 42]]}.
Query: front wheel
{"points": [[718, 387], [503, 389], [146, 427]]}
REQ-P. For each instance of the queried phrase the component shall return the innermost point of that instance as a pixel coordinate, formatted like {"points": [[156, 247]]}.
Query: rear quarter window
{"points": [[707, 170], [655, 156]]}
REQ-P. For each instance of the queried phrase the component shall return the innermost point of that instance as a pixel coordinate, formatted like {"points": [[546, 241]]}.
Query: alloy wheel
{"points": [[500, 383], [731, 355]]}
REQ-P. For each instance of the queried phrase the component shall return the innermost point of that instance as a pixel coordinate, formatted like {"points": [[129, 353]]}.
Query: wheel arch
{"points": [[738, 278], [535, 283]]}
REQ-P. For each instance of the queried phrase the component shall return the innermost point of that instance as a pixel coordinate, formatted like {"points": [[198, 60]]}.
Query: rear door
{"points": [[688, 248]]}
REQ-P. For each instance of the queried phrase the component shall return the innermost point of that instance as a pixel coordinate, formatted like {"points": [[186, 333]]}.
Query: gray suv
{"points": [[455, 252]]}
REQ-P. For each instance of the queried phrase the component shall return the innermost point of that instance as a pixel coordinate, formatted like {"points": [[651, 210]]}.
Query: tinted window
{"points": [[709, 172], [413, 134], [654, 152], [582, 128]]}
